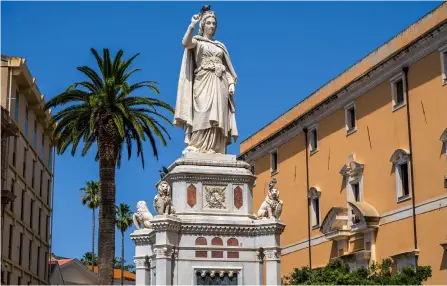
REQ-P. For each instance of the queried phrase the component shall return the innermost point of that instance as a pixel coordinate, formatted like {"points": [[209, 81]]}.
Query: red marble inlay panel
{"points": [[201, 241], [192, 195], [201, 253], [232, 242], [233, 254], [216, 254], [217, 241], [238, 200]]}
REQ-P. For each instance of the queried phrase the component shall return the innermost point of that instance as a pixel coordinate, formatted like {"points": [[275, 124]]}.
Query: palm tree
{"points": [[91, 198], [88, 258], [123, 222], [102, 110]]}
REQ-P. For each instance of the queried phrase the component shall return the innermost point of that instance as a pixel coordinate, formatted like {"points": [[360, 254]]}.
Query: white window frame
{"points": [[272, 171], [312, 149], [443, 54], [351, 197], [399, 158], [350, 129], [394, 80], [314, 195]]}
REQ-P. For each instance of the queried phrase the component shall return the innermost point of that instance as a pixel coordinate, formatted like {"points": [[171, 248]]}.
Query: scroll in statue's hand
{"points": [[231, 89]]}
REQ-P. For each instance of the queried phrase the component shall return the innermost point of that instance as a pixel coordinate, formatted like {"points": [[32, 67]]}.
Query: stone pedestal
{"points": [[213, 236]]}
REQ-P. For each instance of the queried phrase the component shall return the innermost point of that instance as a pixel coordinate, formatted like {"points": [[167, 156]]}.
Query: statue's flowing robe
{"points": [[204, 108]]}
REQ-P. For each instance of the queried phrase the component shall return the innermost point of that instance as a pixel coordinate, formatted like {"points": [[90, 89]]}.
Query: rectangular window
{"points": [[26, 121], [356, 191], [43, 146], [46, 264], [35, 135], [399, 92], [11, 206], [50, 152], [402, 180], [274, 162], [350, 118], [48, 191], [33, 174], [30, 254], [315, 205], [41, 183], [313, 140], [21, 249], [38, 261], [443, 53], [11, 233], [25, 153], [39, 223], [47, 227], [14, 151], [16, 107], [31, 214], [22, 207]]}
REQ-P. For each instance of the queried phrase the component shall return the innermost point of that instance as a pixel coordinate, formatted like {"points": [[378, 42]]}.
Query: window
{"points": [[314, 204], [48, 191], [16, 107], [21, 249], [43, 146], [31, 214], [35, 135], [30, 254], [39, 218], [49, 157], [274, 162], [22, 207], [25, 153], [33, 174], [26, 121], [14, 152], [313, 139], [47, 227], [356, 191], [10, 241], [11, 206], [399, 91], [38, 260], [443, 53], [401, 162], [350, 118], [41, 183]]}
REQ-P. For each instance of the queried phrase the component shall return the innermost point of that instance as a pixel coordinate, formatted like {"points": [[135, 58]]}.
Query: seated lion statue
{"points": [[163, 200], [142, 216], [272, 205]]}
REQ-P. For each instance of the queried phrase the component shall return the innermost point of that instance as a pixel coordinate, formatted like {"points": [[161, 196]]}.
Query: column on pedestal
{"points": [[142, 269], [273, 266], [164, 255]]}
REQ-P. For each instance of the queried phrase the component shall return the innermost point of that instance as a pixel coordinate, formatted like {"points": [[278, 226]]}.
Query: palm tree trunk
{"points": [[93, 240], [122, 257], [106, 244]]}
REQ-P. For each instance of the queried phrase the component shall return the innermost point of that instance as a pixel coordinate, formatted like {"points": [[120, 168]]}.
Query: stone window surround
{"points": [[394, 80], [353, 173], [400, 157], [312, 149], [313, 195], [443, 54], [274, 171]]}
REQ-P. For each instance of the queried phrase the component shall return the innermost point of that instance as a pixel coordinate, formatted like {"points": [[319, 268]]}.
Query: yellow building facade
{"points": [[361, 163], [27, 177]]}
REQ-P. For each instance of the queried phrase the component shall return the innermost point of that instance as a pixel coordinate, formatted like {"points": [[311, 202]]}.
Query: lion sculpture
{"points": [[142, 216], [163, 200], [272, 205]]}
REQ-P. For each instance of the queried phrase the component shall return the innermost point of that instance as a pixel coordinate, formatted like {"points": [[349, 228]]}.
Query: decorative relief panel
{"points": [[237, 197], [192, 195], [215, 197]]}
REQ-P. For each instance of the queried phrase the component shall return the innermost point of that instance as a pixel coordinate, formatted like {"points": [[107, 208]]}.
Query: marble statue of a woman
{"points": [[205, 108]]}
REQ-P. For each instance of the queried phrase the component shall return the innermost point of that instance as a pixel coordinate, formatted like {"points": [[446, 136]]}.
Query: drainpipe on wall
{"points": [[308, 200], [413, 198]]}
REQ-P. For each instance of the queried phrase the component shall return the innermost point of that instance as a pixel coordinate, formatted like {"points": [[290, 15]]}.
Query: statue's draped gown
{"points": [[211, 113]]}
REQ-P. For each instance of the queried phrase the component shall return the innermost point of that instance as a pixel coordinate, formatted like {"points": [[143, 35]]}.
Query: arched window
{"points": [[201, 241], [201, 253], [217, 241], [402, 164], [232, 242]]}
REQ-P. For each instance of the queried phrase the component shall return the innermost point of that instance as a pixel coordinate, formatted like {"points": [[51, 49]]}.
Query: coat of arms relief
{"points": [[215, 197]]}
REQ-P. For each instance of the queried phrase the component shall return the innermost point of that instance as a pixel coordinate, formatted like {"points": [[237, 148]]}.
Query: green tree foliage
{"points": [[90, 198], [337, 272], [86, 259]]}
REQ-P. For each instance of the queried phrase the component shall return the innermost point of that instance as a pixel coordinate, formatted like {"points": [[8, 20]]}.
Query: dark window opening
{"points": [[356, 192], [404, 179], [399, 92], [274, 161]]}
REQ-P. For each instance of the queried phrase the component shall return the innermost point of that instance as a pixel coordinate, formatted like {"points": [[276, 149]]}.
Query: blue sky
{"points": [[281, 51]]}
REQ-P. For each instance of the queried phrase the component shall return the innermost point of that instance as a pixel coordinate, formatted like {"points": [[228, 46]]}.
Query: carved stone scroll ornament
{"points": [[163, 199], [143, 216], [164, 252], [272, 205], [272, 254], [215, 197]]}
